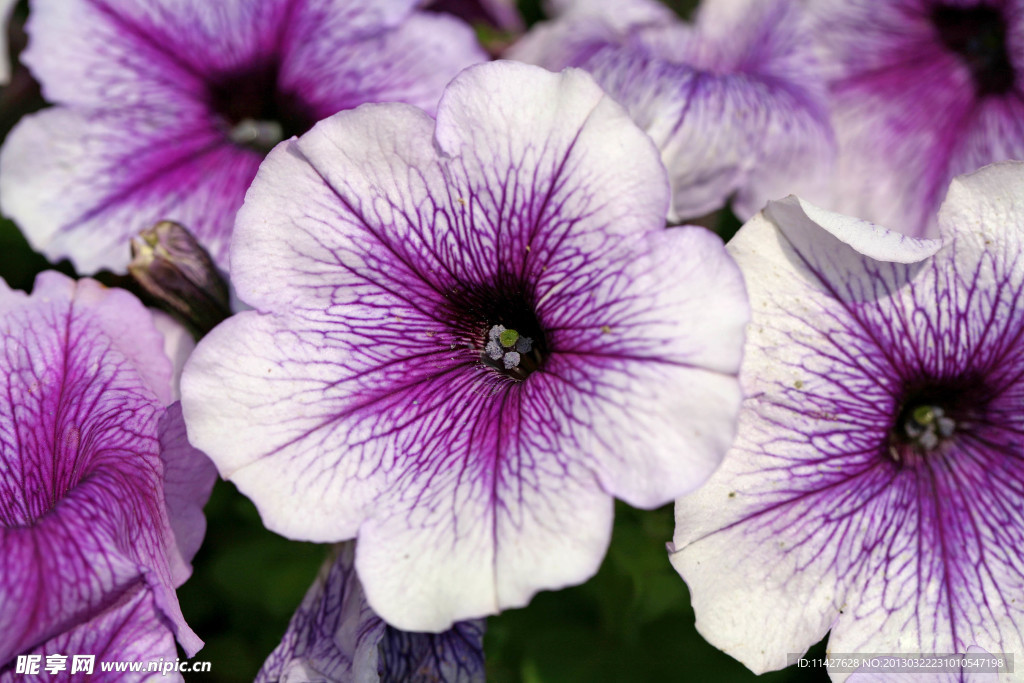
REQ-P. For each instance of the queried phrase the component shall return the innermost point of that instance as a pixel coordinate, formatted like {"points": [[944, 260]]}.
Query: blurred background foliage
{"points": [[630, 622]]}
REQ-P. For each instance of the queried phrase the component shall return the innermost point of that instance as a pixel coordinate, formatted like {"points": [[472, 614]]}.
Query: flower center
{"points": [[497, 322], [507, 350], [926, 426], [978, 36], [934, 413], [256, 112]]}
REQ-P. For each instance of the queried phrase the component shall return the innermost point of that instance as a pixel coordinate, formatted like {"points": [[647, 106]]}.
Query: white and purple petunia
{"points": [[469, 336], [167, 107], [876, 486], [100, 493], [336, 636], [735, 102], [921, 91]]}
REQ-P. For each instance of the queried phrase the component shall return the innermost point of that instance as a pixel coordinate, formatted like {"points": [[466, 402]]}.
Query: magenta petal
{"points": [[132, 629], [83, 518]]}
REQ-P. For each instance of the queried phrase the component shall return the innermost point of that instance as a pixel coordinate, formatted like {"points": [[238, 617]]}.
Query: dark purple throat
{"points": [[933, 414], [977, 35], [502, 314], [255, 111]]}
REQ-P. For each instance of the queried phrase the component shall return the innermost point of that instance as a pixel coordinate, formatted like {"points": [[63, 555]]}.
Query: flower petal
{"points": [[82, 511], [735, 104], [188, 480], [896, 87], [410, 63], [131, 630], [335, 636], [128, 170]]}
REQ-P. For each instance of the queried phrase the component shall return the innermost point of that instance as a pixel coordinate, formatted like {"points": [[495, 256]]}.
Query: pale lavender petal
{"points": [[618, 12], [178, 345], [81, 501], [922, 91], [383, 252], [735, 103], [335, 636], [410, 63], [188, 480], [827, 514], [800, 220]]}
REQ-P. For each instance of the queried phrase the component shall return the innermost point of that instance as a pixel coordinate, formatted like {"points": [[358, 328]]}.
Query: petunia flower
{"points": [[875, 486], [168, 107], [100, 493], [380, 250], [734, 102], [335, 636], [921, 91]]}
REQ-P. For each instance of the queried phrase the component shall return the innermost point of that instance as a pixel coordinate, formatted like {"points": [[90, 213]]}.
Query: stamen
{"points": [[260, 135], [509, 347], [927, 426]]}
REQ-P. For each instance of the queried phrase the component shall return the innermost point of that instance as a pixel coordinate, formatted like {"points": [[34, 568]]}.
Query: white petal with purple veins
{"points": [[383, 253]]}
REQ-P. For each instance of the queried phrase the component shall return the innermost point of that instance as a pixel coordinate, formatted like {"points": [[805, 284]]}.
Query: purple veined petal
{"points": [[83, 513], [132, 629], [360, 396], [168, 107], [336, 636], [922, 91], [87, 52], [132, 169], [626, 373], [735, 103], [411, 63], [874, 486], [348, 155]]}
